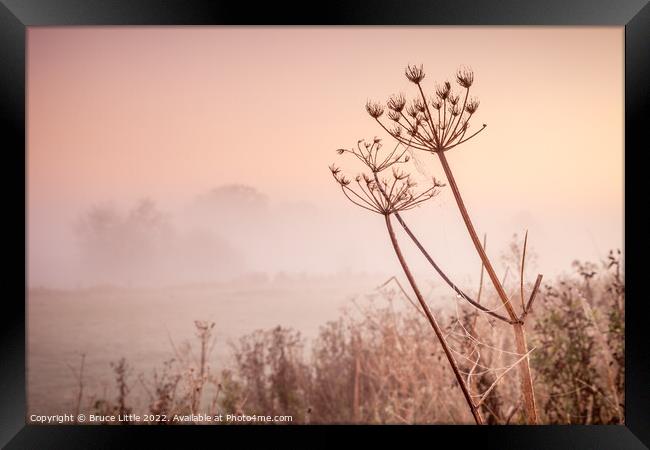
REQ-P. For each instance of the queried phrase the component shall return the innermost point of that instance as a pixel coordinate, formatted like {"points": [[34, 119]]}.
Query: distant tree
{"points": [[118, 246], [142, 245], [239, 196], [232, 204]]}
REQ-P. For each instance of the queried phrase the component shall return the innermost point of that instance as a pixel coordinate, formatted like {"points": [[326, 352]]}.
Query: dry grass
{"points": [[379, 363]]}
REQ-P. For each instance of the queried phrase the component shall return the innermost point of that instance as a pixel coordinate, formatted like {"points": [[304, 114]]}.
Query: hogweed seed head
{"points": [[399, 175], [382, 195], [412, 111], [374, 109], [444, 90], [465, 77], [437, 183], [472, 105], [396, 102], [394, 116], [414, 73], [387, 195]]}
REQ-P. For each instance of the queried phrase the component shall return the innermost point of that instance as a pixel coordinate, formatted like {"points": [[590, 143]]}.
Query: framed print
{"points": [[393, 219]]}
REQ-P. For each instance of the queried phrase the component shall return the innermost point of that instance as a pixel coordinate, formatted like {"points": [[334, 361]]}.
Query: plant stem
{"points": [[437, 268], [436, 328], [443, 275], [525, 377]]}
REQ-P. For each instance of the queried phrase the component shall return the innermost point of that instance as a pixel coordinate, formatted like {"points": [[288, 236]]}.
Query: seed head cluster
{"points": [[436, 124], [382, 194]]}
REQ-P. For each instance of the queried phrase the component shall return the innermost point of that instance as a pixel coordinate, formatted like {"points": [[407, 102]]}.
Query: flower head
{"points": [[437, 183], [382, 194], [444, 90], [394, 116], [374, 109], [465, 77], [396, 103], [454, 110], [472, 106], [414, 73], [412, 111]]}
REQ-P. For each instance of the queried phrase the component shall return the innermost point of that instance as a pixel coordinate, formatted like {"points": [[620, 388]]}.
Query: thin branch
{"points": [[505, 276], [358, 204], [462, 111], [401, 288], [521, 278], [400, 139], [462, 141], [480, 284], [533, 294], [443, 275]]}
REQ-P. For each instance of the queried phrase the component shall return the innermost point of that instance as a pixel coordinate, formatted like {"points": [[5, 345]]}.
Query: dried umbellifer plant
{"points": [[436, 125], [386, 195]]}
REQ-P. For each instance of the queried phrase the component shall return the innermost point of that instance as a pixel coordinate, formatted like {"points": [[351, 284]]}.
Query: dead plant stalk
{"points": [[415, 127], [525, 377], [436, 328], [390, 196]]}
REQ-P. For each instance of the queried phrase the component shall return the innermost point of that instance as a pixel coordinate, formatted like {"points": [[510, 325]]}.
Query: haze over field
{"points": [[170, 114]]}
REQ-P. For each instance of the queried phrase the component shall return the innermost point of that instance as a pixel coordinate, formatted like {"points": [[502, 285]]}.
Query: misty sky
{"points": [[169, 113]]}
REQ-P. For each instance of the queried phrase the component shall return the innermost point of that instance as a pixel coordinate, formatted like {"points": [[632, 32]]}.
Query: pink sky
{"points": [[169, 112]]}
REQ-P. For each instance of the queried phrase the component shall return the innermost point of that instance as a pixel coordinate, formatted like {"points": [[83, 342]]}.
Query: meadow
{"points": [[326, 352], [140, 324]]}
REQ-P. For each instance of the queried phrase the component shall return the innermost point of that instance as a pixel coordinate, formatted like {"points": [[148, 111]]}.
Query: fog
{"points": [[134, 136], [236, 233], [227, 233]]}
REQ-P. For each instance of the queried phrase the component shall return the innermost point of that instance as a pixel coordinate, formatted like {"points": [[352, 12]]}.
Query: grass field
{"points": [[109, 323]]}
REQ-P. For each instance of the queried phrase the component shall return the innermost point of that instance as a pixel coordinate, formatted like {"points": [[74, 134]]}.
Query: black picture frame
{"points": [[17, 15]]}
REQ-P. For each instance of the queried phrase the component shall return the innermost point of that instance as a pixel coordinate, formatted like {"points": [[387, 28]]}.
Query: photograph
{"points": [[325, 225]]}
